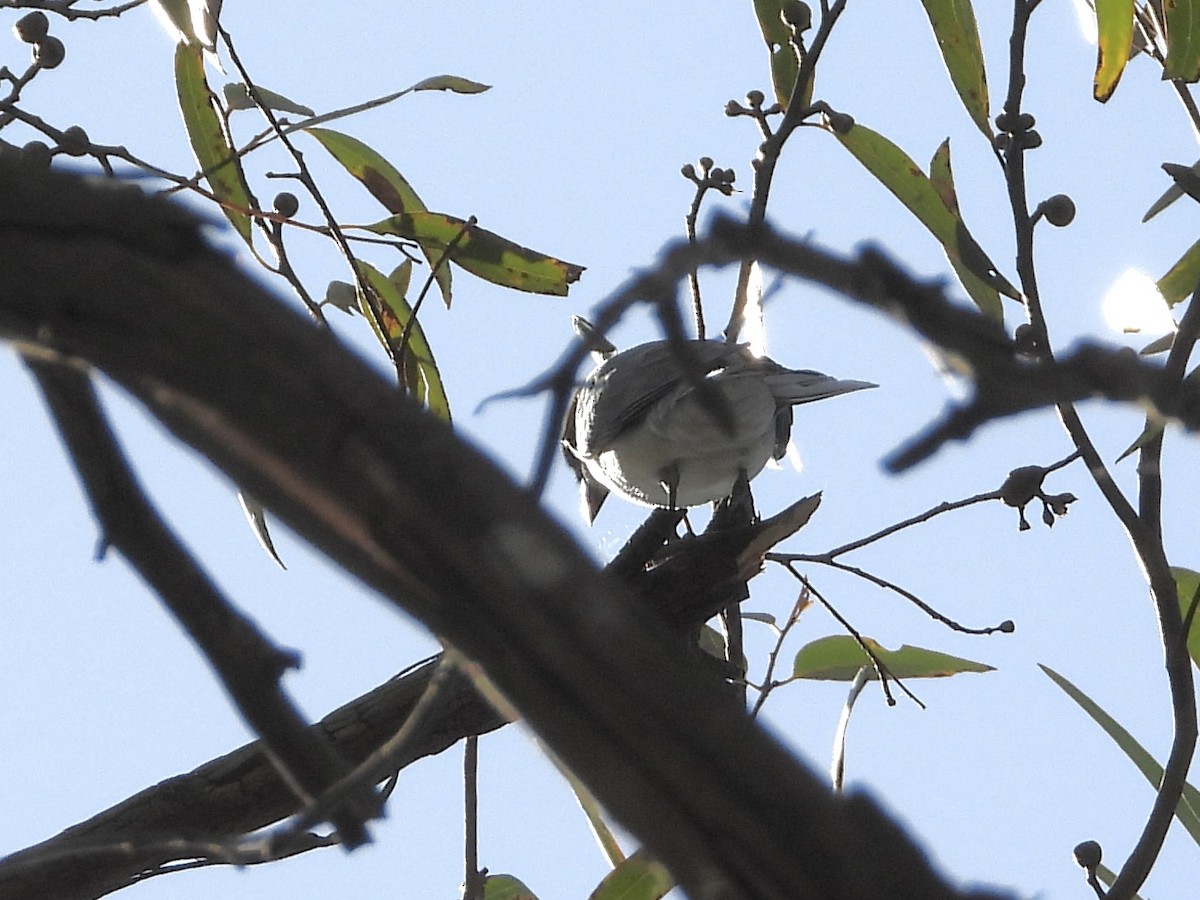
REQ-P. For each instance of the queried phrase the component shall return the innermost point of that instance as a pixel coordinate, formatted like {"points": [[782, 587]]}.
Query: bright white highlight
{"points": [[1133, 305], [753, 327], [1085, 13]]}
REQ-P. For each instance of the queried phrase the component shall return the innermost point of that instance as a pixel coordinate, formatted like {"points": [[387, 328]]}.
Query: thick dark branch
{"points": [[235, 794], [242, 792], [391, 494], [249, 666]]}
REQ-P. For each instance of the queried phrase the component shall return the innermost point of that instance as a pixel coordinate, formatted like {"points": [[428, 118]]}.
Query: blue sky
{"points": [[576, 151]]}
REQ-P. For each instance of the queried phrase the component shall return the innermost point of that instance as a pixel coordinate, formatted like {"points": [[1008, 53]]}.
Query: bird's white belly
{"points": [[682, 443]]}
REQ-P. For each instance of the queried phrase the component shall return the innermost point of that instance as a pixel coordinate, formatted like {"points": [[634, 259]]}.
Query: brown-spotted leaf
{"points": [[405, 339], [1114, 34], [483, 253], [386, 185], [957, 36]]}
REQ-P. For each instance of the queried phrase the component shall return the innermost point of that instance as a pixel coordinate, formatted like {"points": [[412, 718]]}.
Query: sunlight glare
{"points": [[1085, 14], [1133, 304]]}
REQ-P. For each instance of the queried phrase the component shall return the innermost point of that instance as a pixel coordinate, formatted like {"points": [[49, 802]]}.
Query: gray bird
{"points": [[639, 426]]}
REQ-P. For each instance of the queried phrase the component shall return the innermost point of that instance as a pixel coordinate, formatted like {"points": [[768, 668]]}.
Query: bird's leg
{"points": [[736, 510], [668, 477]]}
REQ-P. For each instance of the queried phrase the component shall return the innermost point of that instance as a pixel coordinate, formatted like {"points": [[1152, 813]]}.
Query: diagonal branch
{"points": [[391, 494]]}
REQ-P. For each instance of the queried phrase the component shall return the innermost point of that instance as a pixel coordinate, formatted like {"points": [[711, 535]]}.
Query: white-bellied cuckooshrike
{"points": [[639, 426]]}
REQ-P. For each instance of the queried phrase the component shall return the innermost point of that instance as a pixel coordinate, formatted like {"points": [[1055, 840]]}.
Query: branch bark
{"points": [[127, 284]]}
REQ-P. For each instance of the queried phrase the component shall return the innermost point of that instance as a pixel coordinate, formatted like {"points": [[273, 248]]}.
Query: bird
{"points": [[676, 424]]}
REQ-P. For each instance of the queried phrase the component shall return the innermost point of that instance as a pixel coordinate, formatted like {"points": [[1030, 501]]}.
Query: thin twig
{"points": [[473, 877]]}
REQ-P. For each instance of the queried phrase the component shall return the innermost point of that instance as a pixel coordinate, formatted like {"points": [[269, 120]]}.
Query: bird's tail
{"points": [[804, 386]]}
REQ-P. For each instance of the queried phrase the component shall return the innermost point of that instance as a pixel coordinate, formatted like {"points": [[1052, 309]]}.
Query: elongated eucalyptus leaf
{"points": [[419, 371], [237, 96], [506, 887], [896, 171], [1114, 33], [221, 166], [957, 36], [941, 176], [386, 185], [785, 60], [256, 518], [1187, 584], [1180, 281], [839, 658], [1183, 39], [455, 83], [483, 253], [1188, 810], [638, 877], [1107, 876]]}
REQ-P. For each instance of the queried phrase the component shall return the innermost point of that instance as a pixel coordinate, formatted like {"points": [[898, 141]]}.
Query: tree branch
{"points": [[127, 284]]}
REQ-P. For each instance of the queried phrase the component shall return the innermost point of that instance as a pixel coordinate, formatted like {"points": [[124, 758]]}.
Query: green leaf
{"points": [[237, 96], [1183, 39], [386, 185], [897, 172], [1188, 810], [1180, 282], [986, 297], [639, 877], [420, 374], [506, 887], [1187, 583], [839, 658], [785, 60], [1185, 178], [957, 36], [1152, 429], [450, 83], [1171, 194], [219, 163], [1114, 31], [482, 253]]}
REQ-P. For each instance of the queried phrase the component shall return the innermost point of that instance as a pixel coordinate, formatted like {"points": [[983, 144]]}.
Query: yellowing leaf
{"points": [[1114, 33], [839, 658], [483, 253], [386, 185], [506, 887], [419, 371], [214, 152], [957, 36]]}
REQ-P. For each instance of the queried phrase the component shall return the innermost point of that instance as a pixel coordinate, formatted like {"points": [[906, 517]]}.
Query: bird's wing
{"points": [[620, 393]]}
